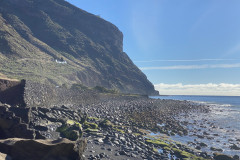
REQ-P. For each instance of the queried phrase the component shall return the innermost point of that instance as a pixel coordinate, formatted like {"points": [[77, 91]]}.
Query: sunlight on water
{"points": [[219, 129]]}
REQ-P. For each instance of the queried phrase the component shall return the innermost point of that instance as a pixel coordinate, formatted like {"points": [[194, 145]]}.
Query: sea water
{"points": [[224, 115]]}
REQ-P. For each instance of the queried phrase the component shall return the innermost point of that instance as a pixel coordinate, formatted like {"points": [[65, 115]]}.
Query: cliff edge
{"points": [[52, 41]]}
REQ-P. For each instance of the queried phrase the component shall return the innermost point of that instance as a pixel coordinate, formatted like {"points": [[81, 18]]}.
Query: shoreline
{"points": [[119, 127], [217, 130], [213, 131]]}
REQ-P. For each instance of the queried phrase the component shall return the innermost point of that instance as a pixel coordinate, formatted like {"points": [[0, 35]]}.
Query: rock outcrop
{"points": [[12, 91], [12, 126], [23, 134], [26, 94], [52, 41], [19, 149]]}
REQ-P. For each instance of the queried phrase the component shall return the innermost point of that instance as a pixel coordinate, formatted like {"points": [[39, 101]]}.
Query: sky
{"points": [[187, 47]]}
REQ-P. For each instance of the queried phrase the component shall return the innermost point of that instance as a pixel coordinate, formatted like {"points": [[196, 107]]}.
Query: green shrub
{"points": [[104, 90], [79, 87]]}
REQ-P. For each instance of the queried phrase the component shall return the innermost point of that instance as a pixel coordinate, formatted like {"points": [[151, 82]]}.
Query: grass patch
{"points": [[105, 90], [157, 142], [106, 123], [185, 155], [93, 118], [71, 122], [136, 134], [155, 149], [167, 148], [119, 130], [90, 125], [91, 130]]}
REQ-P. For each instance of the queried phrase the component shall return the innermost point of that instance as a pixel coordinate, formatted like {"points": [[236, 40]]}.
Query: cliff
{"points": [[54, 42]]}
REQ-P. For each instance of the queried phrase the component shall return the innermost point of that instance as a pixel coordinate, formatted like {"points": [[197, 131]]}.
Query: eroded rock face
{"points": [[19, 149], [24, 138], [12, 92], [12, 125]]}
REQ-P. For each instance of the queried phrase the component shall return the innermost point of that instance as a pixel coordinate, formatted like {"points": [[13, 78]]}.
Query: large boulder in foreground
{"points": [[4, 157], [218, 156], [63, 149]]}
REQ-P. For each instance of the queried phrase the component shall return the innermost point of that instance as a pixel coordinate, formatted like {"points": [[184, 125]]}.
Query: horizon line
{"points": [[187, 67], [185, 60]]}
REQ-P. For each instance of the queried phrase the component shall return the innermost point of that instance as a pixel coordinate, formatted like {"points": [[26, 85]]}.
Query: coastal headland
{"points": [[68, 91]]}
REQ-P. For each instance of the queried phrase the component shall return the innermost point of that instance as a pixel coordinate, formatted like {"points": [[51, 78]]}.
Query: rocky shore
{"points": [[105, 126]]}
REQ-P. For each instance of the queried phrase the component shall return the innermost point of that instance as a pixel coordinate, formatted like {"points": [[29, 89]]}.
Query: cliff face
{"points": [[51, 41]]}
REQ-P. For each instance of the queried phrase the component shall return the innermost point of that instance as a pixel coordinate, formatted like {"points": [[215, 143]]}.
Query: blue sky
{"points": [[184, 47]]}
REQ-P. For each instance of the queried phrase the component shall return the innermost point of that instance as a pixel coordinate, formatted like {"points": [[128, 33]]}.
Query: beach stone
{"points": [[205, 133], [200, 136], [222, 157], [198, 147], [100, 140], [122, 139], [123, 153], [236, 157], [235, 147], [102, 155], [116, 142], [216, 149], [133, 155], [203, 144]]}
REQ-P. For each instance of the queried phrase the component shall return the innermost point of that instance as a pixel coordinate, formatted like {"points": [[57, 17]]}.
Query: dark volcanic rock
{"points": [[12, 126], [222, 157], [235, 147], [12, 91], [19, 149]]}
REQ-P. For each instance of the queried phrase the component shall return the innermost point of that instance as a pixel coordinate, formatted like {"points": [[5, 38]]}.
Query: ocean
{"points": [[220, 127], [222, 100]]}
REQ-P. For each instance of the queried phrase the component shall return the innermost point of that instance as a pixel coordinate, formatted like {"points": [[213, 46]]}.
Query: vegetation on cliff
{"points": [[36, 36]]}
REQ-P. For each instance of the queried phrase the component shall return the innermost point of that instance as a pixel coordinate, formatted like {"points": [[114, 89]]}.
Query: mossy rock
{"points": [[91, 130], [155, 149], [157, 142], [93, 118], [68, 132], [106, 123], [218, 156], [167, 148], [185, 155], [70, 122], [119, 130], [90, 125], [136, 134]]}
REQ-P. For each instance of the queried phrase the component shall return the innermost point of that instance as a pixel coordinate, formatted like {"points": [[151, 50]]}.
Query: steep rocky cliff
{"points": [[52, 41]]}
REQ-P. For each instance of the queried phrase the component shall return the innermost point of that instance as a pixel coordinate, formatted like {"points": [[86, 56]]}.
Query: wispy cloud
{"points": [[185, 60], [182, 67], [234, 50], [225, 89]]}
